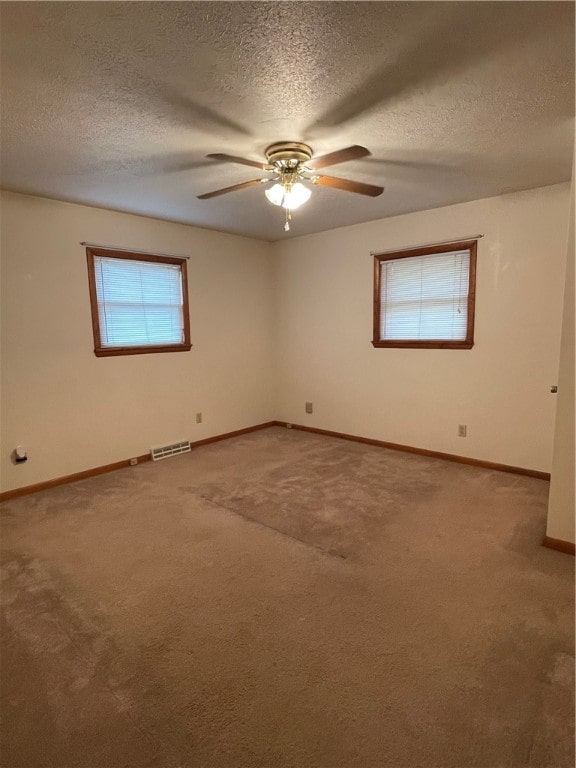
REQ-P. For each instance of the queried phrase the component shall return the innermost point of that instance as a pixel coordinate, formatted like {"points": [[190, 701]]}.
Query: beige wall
{"points": [[499, 389], [561, 505], [273, 326], [74, 411]]}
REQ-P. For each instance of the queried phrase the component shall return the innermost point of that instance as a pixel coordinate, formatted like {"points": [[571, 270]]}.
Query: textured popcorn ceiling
{"points": [[117, 104]]}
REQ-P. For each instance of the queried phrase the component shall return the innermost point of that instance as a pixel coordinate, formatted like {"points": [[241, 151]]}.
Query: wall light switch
{"points": [[309, 407]]}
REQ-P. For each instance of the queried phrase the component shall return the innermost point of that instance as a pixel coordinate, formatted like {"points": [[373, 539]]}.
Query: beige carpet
{"points": [[286, 600]]}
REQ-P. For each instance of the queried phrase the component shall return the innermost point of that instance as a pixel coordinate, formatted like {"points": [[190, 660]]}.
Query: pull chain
{"points": [[288, 220]]}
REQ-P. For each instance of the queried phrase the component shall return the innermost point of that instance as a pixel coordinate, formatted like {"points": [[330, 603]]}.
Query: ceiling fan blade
{"points": [[349, 186], [233, 188], [341, 156], [239, 160]]}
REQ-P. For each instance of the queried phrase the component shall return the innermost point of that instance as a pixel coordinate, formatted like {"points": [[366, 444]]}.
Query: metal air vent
{"points": [[174, 449]]}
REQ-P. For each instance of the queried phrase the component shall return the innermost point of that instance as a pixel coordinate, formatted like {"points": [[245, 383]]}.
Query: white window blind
{"points": [[139, 302], [425, 298]]}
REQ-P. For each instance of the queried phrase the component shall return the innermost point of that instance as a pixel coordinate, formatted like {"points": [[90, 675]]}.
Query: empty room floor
{"points": [[289, 600]]}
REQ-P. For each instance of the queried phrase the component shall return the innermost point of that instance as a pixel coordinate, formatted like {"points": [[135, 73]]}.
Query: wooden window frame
{"points": [[101, 351], [468, 342]]}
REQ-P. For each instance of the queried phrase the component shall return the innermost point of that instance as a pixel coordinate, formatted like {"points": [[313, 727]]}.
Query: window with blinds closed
{"points": [[424, 298], [140, 303]]}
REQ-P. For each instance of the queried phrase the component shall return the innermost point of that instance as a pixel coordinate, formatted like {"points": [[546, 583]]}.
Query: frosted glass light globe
{"points": [[296, 196], [292, 198], [275, 194]]}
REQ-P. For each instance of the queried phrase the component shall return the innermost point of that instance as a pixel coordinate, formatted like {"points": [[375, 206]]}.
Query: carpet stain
{"points": [[333, 500]]}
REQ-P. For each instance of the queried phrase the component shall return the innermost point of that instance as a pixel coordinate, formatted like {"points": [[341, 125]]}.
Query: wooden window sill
{"points": [[116, 351]]}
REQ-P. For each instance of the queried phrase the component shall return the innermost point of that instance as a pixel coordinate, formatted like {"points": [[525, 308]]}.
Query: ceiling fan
{"points": [[289, 163]]}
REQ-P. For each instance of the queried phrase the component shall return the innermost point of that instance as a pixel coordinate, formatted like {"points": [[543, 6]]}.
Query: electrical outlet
{"points": [[133, 462], [288, 426], [461, 430], [198, 418], [309, 407]]}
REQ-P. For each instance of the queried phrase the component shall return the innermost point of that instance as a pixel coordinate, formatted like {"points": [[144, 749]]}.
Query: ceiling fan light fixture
{"points": [[288, 161], [288, 197]]}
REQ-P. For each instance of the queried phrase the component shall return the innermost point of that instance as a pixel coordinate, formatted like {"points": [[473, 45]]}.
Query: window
{"points": [[424, 297], [139, 303]]}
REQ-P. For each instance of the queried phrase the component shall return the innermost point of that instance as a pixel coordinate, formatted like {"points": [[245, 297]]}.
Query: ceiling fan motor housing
{"points": [[288, 153]]}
